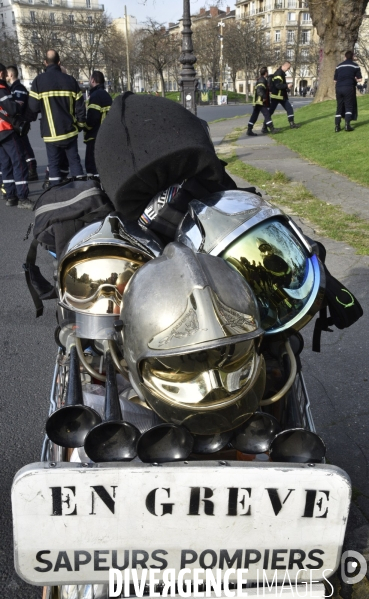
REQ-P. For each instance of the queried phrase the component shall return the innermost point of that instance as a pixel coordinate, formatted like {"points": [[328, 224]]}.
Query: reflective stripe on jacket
{"points": [[279, 87], [20, 95], [261, 92], [8, 107], [58, 97], [97, 108]]}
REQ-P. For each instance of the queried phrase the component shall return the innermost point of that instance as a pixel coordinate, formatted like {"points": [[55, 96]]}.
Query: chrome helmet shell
{"points": [[191, 334], [266, 247], [94, 270]]}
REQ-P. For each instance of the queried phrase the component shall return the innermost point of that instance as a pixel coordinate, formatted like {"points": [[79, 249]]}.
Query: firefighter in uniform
{"points": [[97, 108], [20, 95], [261, 103], [346, 76], [58, 97], [12, 160], [279, 93]]}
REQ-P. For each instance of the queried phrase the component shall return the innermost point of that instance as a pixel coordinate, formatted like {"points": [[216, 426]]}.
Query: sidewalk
{"points": [[337, 378], [263, 152]]}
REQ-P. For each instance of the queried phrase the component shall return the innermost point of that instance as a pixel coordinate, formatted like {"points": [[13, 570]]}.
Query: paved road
{"points": [[212, 113]]}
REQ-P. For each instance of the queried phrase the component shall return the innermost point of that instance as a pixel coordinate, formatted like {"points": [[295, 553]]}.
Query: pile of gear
{"points": [[195, 295]]}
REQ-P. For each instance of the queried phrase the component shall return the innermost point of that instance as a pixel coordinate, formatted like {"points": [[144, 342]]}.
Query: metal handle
{"points": [[289, 383]]}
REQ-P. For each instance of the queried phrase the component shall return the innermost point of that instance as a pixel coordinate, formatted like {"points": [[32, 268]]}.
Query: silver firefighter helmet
{"points": [[191, 336], [266, 247], [94, 270]]}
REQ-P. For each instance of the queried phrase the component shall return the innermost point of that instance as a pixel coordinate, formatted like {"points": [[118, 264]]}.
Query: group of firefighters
{"points": [[273, 90], [57, 96]]}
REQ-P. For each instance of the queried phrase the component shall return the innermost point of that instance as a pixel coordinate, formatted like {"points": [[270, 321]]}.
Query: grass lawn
{"points": [[345, 153], [295, 199]]}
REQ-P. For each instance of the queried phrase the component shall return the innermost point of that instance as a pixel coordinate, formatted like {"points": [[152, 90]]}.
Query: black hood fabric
{"points": [[148, 143]]}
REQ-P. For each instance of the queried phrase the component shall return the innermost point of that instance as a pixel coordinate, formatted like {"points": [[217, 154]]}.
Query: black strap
{"points": [[38, 286], [321, 324]]}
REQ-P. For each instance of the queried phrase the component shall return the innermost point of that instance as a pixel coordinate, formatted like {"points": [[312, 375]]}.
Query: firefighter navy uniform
{"points": [[97, 108], [260, 103], [346, 75], [58, 97], [279, 95], [13, 165], [20, 95]]}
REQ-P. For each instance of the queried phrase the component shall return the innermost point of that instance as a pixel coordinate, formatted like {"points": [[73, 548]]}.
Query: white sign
{"points": [[222, 100], [72, 523]]}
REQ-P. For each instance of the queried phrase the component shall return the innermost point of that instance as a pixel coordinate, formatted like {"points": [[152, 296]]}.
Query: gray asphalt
{"points": [[212, 113]]}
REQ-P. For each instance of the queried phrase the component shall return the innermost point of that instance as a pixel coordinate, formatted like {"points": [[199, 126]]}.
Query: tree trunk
{"points": [[162, 83], [247, 84], [337, 23]]}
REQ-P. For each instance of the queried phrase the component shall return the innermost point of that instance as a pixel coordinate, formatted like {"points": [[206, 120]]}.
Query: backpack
{"points": [[60, 212], [344, 308]]}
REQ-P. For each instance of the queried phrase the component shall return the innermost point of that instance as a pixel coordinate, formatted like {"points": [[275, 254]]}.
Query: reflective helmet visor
{"points": [[94, 281], [284, 278], [209, 377]]}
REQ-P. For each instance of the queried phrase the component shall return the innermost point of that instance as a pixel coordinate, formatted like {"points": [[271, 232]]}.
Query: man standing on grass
{"points": [[261, 103], [279, 93], [346, 77]]}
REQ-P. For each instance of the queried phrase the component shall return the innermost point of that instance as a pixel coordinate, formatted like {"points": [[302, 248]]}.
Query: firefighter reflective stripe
{"points": [[50, 119], [41, 96], [61, 137], [100, 108], [279, 94], [6, 98]]}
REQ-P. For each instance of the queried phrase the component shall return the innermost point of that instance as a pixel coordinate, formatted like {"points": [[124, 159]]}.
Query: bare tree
{"points": [[158, 50], [39, 33], [87, 36], [207, 48], [362, 46], [337, 23], [232, 55], [9, 47]]}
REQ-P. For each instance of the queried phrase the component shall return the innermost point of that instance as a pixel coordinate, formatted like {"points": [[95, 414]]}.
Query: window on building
{"points": [[30, 1], [277, 35], [290, 37], [268, 6], [88, 3], [305, 37], [291, 16], [2, 20], [268, 18], [277, 54], [240, 88], [306, 16], [32, 16], [89, 20], [252, 8], [51, 2], [34, 36], [304, 53], [290, 54], [54, 36], [52, 17], [91, 38], [267, 37], [73, 38], [71, 19], [292, 4], [13, 18]]}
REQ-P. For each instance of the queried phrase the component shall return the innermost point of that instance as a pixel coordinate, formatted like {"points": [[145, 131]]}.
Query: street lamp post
{"points": [[221, 25], [187, 58]]}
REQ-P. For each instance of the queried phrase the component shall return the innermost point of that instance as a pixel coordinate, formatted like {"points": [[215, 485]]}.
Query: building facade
{"points": [[40, 22], [288, 28]]}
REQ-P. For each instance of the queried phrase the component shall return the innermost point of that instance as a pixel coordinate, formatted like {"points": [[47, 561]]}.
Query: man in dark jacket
{"points": [[20, 95], [261, 103], [279, 93], [58, 97], [346, 77], [12, 160], [98, 107]]}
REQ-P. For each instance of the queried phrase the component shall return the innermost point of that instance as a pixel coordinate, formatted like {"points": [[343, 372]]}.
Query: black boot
{"points": [[348, 127], [273, 129], [32, 172], [250, 131], [294, 125], [264, 129], [337, 128]]}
